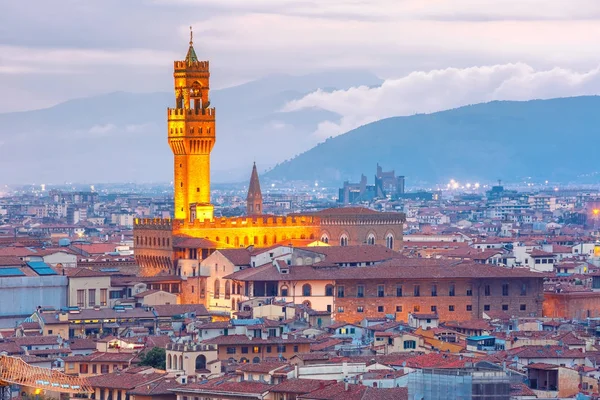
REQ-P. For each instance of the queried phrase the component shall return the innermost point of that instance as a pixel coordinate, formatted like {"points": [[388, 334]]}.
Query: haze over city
{"points": [[353, 62]]}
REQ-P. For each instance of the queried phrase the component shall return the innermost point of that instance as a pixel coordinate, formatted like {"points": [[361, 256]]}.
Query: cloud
{"points": [[436, 90]]}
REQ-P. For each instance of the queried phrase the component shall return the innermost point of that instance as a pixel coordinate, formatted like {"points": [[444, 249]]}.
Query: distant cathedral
{"points": [[162, 245]]}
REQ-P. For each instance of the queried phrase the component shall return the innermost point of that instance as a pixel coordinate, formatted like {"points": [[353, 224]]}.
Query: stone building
{"points": [[192, 135]]}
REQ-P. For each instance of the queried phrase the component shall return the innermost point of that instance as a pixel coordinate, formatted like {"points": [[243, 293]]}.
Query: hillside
{"points": [[556, 139], [122, 137]]}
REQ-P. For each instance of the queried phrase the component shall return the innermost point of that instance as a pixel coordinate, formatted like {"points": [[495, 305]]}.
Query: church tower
{"points": [[254, 202], [191, 130]]}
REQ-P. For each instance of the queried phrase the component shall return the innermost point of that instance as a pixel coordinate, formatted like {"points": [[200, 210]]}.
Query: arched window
{"points": [[239, 288], [180, 362], [236, 242], [233, 305], [325, 239], [227, 289], [371, 239], [246, 241], [389, 241], [306, 290], [265, 240], [256, 240], [344, 240], [217, 291], [200, 362], [284, 291], [256, 360], [169, 362], [329, 290], [175, 362]]}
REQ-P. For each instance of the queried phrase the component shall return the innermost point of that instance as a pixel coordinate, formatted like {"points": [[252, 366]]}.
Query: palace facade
{"points": [[166, 246]]}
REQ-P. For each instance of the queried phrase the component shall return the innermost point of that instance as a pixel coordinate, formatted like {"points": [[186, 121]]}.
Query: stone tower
{"points": [[191, 129], [254, 205]]}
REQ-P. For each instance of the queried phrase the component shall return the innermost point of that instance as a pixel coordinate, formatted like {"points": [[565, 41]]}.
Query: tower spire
{"points": [[254, 200], [191, 54]]}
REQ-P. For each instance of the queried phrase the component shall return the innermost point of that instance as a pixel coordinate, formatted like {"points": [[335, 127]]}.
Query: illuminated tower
{"points": [[191, 127], [254, 200]]}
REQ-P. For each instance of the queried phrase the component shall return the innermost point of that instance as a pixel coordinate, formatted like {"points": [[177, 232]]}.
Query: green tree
{"points": [[157, 358]]}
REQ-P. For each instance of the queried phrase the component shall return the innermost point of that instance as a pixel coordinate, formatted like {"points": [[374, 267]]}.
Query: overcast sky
{"points": [[51, 50]]}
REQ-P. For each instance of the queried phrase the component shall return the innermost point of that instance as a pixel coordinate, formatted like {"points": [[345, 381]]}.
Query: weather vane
{"points": [[191, 36]]}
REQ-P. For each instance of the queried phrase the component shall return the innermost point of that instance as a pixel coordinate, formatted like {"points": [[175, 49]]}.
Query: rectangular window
{"points": [[83, 368], [469, 291], [451, 290], [255, 350], [410, 344], [115, 294], [379, 308], [433, 308], [505, 289], [469, 307], [340, 292], [380, 290], [231, 350], [244, 350], [417, 291], [268, 349], [486, 307], [360, 309], [281, 348], [92, 297], [450, 308], [360, 291], [523, 307], [416, 308], [340, 309], [94, 369], [104, 369], [399, 291], [487, 291], [352, 331], [295, 348], [504, 307], [81, 298], [523, 290], [433, 290], [103, 295], [398, 308]]}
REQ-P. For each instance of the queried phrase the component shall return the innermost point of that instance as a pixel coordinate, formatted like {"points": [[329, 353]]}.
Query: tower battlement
{"points": [[197, 66], [247, 222], [199, 114], [153, 223]]}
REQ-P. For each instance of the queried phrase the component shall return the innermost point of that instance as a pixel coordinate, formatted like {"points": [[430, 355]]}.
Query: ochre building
{"points": [[168, 246]]}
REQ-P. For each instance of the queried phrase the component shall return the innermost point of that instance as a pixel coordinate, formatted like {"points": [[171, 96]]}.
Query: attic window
{"points": [[285, 271]]}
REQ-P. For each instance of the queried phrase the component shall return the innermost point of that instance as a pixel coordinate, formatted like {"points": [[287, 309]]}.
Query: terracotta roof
{"points": [[343, 391], [82, 344], [438, 360], [546, 352], [95, 248], [417, 268], [10, 261], [83, 273], [122, 380], [543, 366], [36, 340], [300, 386], [169, 310], [194, 243], [222, 385], [160, 387], [105, 357], [262, 368], [238, 257]]}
